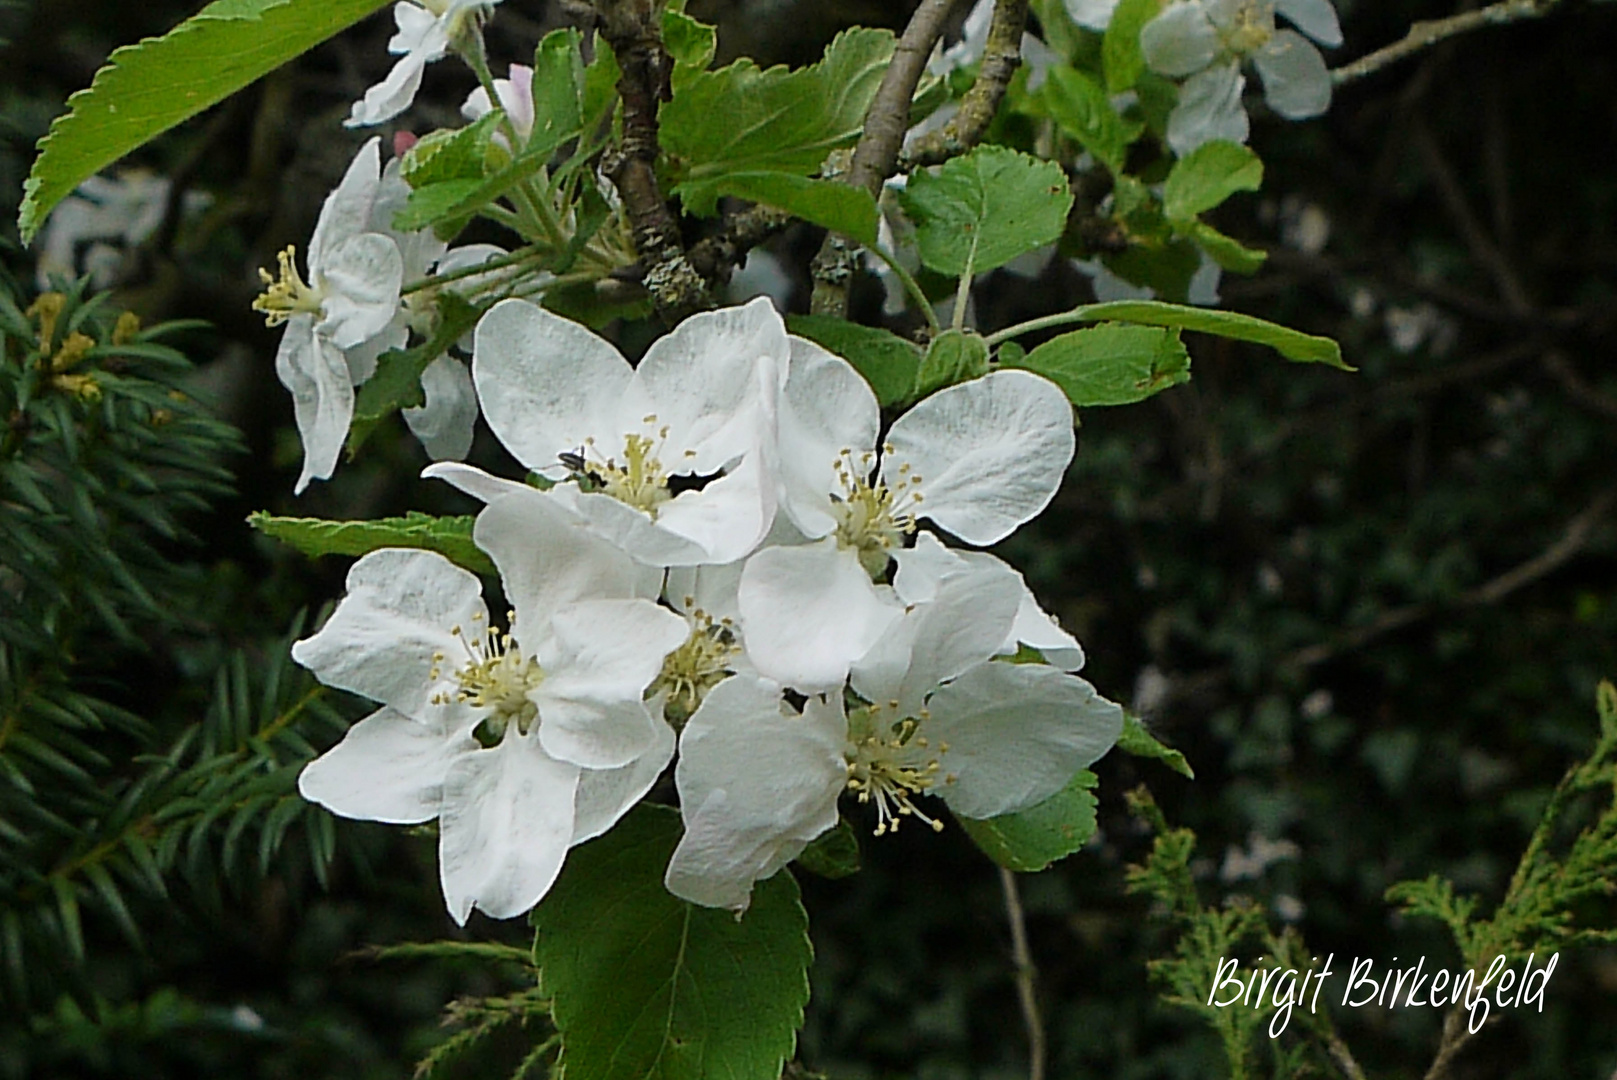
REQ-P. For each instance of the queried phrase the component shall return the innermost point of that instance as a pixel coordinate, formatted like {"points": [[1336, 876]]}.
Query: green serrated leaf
{"points": [[1292, 344], [888, 362], [833, 854], [1229, 253], [1208, 175], [147, 88], [645, 985], [450, 153], [953, 357], [690, 42], [396, 383], [1138, 741], [1121, 57], [1031, 840], [439, 204], [450, 537], [741, 119], [1111, 364], [826, 203], [985, 208], [1081, 107], [558, 90]]}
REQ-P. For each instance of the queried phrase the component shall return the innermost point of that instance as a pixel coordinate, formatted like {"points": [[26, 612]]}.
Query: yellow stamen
{"points": [[873, 518], [288, 294]]}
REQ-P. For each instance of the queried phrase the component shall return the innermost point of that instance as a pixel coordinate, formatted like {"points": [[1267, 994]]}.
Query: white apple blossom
{"points": [[977, 459], [351, 295], [515, 94], [934, 716], [1205, 43], [669, 459], [426, 30], [522, 742]]}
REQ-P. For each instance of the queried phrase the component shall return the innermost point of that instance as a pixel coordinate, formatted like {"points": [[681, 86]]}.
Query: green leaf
{"points": [[826, 203], [450, 153], [558, 90], [690, 42], [833, 854], [647, 986], [1031, 840], [1229, 253], [436, 204], [1082, 108], [396, 383], [450, 537], [1121, 57], [1292, 344], [888, 362], [985, 208], [740, 119], [1138, 741], [1207, 176], [147, 88], [1111, 364], [953, 357]]}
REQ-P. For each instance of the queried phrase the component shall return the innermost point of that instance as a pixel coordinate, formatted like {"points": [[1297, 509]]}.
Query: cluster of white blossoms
{"points": [[718, 553]]}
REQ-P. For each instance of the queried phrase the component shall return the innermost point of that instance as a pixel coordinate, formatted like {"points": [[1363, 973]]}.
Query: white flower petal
{"points": [[1209, 108], [1316, 18], [506, 824], [989, 454], [444, 423], [807, 613], [1295, 82], [604, 795], [1091, 14], [1017, 733], [1180, 41], [603, 655], [826, 408], [630, 529], [314, 370], [361, 276], [545, 383], [728, 516], [399, 610], [474, 481], [347, 210], [755, 786], [387, 768]]}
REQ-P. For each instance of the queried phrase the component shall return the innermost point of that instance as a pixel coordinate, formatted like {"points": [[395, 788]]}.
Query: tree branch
{"points": [[1025, 975], [1428, 32], [1001, 57], [876, 154]]}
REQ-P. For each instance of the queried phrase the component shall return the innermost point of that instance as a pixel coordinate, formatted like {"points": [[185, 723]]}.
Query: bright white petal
{"points": [[604, 655], [1295, 82], [474, 481], [755, 786], [1180, 41], [711, 589], [1016, 733], [1091, 14], [314, 370], [702, 382], [827, 408], [728, 516], [1209, 108], [347, 210], [1316, 18], [807, 613], [398, 613], [625, 527], [987, 454], [506, 824], [546, 383], [387, 768], [444, 424], [604, 795], [362, 357], [361, 278]]}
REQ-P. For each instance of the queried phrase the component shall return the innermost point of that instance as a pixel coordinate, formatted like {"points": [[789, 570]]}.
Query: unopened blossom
{"points": [[515, 94], [976, 459], [521, 742], [426, 30], [929, 713], [1205, 43], [351, 295], [667, 459]]}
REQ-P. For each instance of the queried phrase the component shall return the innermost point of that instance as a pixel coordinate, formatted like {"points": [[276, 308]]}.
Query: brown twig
{"points": [[1026, 973], [1001, 57], [714, 256], [632, 28], [876, 154], [1428, 32], [1577, 388]]}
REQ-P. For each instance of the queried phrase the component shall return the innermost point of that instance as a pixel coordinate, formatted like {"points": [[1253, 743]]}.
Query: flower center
{"points": [[641, 481], [701, 663], [1249, 32], [873, 518], [287, 295], [495, 677], [889, 764]]}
